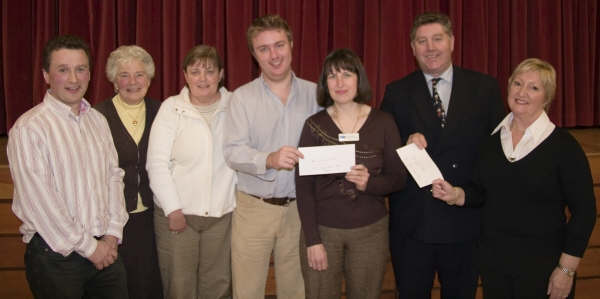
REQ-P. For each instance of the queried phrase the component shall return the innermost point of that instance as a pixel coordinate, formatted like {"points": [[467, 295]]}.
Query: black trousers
{"points": [[138, 252], [517, 270], [51, 275], [415, 264]]}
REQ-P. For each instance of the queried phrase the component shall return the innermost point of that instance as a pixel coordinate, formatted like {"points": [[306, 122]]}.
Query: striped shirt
{"points": [[68, 186]]}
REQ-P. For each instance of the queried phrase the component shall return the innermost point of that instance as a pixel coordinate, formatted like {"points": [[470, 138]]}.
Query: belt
{"points": [[278, 201]]}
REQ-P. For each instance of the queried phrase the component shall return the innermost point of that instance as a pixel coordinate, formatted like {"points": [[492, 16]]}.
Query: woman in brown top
{"points": [[344, 218]]}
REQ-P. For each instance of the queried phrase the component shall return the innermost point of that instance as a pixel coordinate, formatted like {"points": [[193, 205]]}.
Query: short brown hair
{"points": [[66, 41], [430, 18], [267, 22], [547, 75], [343, 59], [203, 53]]}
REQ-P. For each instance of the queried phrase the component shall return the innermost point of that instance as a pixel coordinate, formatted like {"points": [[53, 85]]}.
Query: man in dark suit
{"points": [[448, 111]]}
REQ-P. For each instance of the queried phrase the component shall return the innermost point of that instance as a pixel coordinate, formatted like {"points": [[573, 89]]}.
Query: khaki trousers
{"points": [[259, 228], [195, 263], [358, 255]]}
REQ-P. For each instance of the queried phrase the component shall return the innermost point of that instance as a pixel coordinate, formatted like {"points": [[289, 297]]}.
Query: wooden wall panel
{"points": [[11, 252], [6, 187], [587, 288], [594, 160], [597, 194], [595, 239], [589, 267], [14, 285], [9, 223], [12, 274]]}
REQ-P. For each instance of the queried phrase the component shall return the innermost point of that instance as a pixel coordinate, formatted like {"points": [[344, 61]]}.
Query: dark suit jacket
{"points": [[475, 109], [132, 157]]}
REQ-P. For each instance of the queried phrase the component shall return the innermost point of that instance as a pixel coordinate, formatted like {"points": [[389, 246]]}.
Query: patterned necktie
{"points": [[437, 103]]}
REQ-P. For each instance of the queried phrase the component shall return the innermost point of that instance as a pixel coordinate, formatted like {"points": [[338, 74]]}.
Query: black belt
{"points": [[278, 201]]}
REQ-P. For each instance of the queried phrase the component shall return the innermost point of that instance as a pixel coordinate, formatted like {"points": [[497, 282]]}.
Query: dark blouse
{"points": [[132, 156], [524, 202], [330, 200]]}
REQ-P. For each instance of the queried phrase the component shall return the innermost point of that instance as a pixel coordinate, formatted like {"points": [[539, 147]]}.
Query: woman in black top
{"points": [[130, 115], [528, 172]]}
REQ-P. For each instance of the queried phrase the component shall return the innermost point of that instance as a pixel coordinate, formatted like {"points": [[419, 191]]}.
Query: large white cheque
{"points": [[326, 159], [419, 164]]}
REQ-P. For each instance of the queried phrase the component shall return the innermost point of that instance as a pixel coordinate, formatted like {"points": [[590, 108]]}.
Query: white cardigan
{"points": [[185, 160]]}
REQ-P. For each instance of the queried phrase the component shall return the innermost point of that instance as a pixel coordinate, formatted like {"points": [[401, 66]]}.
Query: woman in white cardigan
{"points": [[194, 189]]}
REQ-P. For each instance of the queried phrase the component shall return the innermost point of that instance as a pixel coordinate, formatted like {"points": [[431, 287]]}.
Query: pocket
{"points": [[37, 245]]}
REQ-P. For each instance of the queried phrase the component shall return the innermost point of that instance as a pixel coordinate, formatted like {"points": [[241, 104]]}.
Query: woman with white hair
{"points": [[130, 115]]}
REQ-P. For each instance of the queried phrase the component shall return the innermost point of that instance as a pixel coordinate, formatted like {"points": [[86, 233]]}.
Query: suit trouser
{"points": [[51, 275], [259, 228], [416, 262], [195, 263], [359, 255]]}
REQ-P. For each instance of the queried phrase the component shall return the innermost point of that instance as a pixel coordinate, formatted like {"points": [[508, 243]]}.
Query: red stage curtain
{"points": [[492, 36]]}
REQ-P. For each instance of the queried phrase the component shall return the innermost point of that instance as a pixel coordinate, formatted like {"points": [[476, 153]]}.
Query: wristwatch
{"points": [[566, 270]]}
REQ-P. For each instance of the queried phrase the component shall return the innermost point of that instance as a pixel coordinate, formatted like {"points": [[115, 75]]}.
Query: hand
{"points": [[111, 240], [317, 257], [99, 257], [359, 175], [176, 221], [418, 139], [113, 245], [451, 195], [285, 158], [559, 285]]}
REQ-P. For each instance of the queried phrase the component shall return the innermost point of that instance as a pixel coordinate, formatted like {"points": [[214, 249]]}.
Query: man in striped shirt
{"points": [[68, 186]]}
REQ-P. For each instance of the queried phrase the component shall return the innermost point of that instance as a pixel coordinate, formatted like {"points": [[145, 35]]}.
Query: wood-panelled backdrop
{"points": [[12, 269]]}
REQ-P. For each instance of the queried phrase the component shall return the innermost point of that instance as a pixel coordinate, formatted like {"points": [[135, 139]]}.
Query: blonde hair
{"points": [[547, 75], [124, 54]]}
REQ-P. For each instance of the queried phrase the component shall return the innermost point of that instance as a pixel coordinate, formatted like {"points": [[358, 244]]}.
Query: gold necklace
{"points": [[133, 118]]}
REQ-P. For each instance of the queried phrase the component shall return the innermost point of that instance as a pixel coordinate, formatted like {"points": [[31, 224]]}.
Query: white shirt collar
{"points": [[446, 75], [534, 135]]}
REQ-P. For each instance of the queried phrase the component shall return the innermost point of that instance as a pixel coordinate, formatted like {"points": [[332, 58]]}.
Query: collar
{"points": [[127, 106], [293, 80], [535, 130], [446, 75], [64, 109]]}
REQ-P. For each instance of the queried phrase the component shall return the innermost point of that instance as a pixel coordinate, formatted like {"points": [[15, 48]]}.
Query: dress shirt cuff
{"points": [[261, 167], [116, 230], [87, 246], [260, 160]]}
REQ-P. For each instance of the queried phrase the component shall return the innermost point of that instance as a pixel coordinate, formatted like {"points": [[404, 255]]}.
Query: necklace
{"points": [[335, 111], [134, 118]]}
